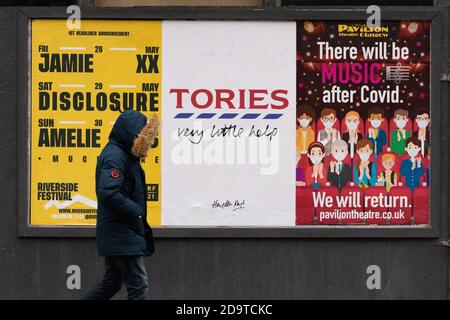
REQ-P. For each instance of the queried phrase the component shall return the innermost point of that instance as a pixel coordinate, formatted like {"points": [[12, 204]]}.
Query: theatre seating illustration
{"points": [[313, 127], [303, 162], [404, 156], [416, 127], [371, 192], [360, 130], [360, 127], [326, 165], [393, 126], [425, 162], [304, 206], [348, 160], [320, 126], [329, 191], [401, 191], [330, 158], [396, 167], [356, 158], [384, 126], [421, 205], [299, 176], [349, 190], [426, 165]]}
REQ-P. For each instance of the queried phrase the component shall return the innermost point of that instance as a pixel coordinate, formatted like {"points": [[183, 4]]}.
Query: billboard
{"points": [[80, 81], [257, 120], [228, 102], [363, 123]]}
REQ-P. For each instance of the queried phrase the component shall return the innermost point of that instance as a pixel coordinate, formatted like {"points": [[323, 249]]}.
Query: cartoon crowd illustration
{"points": [[362, 152]]}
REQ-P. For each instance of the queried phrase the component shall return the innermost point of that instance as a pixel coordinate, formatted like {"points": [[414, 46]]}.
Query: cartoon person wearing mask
{"points": [[364, 170], [388, 177], [399, 135], [329, 134], [305, 134], [352, 136], [412, 168], [423, 134], [314, 173], [339, 173], [376, 135]]}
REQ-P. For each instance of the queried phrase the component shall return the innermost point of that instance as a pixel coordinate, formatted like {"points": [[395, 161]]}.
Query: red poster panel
{"points": [[363, 122]]}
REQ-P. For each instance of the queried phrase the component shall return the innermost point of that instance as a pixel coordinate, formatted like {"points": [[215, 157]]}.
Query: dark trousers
{"points": [[129, 270]]}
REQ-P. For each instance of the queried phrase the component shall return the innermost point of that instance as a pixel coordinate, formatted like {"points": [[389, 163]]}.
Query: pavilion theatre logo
{"points": [[228, 126], [362, 30]]}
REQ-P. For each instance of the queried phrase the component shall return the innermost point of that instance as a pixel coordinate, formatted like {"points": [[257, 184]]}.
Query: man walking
{"points": [[124, 237]]}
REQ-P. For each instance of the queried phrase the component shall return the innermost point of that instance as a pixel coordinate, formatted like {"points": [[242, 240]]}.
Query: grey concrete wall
{"points": [[204, 268]]}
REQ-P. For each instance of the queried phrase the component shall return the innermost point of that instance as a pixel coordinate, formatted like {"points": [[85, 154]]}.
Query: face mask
{"points": [[315, 159], [413, 152], [352, 125], [339, 156], [400, 123], [422, 123], [304, 123], [328, 124], [375, 123], [364, 156]]}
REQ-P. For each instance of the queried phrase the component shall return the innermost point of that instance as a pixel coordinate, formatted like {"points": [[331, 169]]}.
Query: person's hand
{"points": [[422, 133], [321, 170], [333, 133], [365, 164], [361, 171], [419, 162], [315, 168], [370, 131], [332, 164]]}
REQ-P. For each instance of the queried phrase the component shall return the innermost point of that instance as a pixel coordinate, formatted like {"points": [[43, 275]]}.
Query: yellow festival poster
{"points": [[81, 79]]}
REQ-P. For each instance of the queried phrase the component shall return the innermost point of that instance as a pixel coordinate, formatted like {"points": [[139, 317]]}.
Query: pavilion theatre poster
{"points": [[263, 123]]}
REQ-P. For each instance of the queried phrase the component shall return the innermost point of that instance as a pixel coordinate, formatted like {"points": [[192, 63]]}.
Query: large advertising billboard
{"points": [[80, 81], [363, 123], [264, 123], [227, 111]]}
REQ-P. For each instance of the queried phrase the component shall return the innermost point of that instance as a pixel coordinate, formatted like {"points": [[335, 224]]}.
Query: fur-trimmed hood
{"points": [[145, 138], [134, 133]]}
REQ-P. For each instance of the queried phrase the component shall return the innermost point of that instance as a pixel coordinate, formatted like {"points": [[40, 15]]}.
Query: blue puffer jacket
{"points": [[122, 228]]}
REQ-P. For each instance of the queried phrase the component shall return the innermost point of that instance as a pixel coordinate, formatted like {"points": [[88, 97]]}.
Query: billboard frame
{"points": [[438, 97]]}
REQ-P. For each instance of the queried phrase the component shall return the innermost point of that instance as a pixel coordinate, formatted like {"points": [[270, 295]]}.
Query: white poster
{"points": [[228, 104]]}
